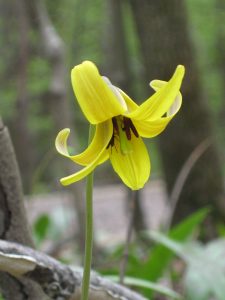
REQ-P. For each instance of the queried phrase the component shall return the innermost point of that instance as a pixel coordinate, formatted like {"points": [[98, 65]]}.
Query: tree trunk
{"points": [[22, 137], [165, 42], [116, 61], [54, 50], [13, 222], [220, 10], [220, 53], [116, 65]]}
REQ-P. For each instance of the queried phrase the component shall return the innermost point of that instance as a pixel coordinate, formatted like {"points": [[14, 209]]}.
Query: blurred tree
{"points": [[220, 13], [207, 29], [16, 69], [220, 46], [56, 96], [117, 66], [116, 61], [165, 41]]}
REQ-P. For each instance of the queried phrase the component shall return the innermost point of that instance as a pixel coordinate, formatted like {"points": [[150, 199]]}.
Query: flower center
{"points": [[123, 128]]}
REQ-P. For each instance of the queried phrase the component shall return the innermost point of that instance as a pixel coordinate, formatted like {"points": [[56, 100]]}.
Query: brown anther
{"points": [[115, 131], [128, 127]]}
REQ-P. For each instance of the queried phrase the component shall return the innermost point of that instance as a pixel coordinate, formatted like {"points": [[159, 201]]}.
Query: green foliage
{"points": [[41, 228], [39, 73], [80, 24], [147, 285], [152, 267], [51, 227], [8, 96], [205, 25], [205, 272], [160, 256]]}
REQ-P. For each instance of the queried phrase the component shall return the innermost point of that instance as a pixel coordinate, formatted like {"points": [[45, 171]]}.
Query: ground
{"points": [[110, 212]]}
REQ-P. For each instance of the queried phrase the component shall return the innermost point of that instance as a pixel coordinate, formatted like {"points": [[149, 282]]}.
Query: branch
{"points": [[189, 164], [58, 281]]}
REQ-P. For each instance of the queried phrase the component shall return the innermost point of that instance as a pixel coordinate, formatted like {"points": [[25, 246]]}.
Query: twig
{"points": [[128, 237], [182, 177]]}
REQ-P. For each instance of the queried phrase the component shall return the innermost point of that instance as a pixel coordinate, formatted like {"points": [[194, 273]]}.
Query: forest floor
{"points": [[110, 211]]}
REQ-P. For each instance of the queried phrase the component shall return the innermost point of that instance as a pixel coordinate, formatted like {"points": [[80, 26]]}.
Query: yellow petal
{"points": [[83, 172], [131, 105], [150, 128], [133, 167], [97, 101], [157, 85], [102, 136], [115, 91], [158, 104]]}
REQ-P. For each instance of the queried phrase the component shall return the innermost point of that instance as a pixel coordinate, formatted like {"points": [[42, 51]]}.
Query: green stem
{"points": [[88, 230]]}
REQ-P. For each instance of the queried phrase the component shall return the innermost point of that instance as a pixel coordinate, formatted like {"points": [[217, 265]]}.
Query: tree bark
{"points": [[13, 221], [165, 42]]}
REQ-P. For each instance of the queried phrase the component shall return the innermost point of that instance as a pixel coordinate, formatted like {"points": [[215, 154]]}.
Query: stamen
{"points": [[111, 142], [128, 127], [125, 145], [122, 130], [115, 125], [115, 132]]}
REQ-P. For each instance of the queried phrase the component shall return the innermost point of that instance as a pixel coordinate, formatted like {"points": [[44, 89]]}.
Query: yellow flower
{"points": [[120, 123]]}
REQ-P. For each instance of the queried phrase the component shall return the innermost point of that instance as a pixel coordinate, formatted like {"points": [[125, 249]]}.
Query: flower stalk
{"points": [[88, 229]]}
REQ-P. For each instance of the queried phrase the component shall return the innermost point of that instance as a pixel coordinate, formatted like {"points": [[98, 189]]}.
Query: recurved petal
{"points": [[102, 136], [150, 128], [157, 84], [159, 104], [97, 101], [134, 167], [83, 172]]}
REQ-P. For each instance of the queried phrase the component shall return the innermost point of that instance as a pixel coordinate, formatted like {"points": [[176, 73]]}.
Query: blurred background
{"points": [[132, 42]]}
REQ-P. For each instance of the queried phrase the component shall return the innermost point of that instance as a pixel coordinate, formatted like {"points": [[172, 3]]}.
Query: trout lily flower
{"points": [[119, 123]]}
